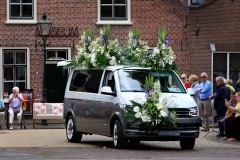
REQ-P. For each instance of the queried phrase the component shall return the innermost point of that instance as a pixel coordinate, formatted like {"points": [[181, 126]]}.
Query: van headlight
{"points": [[193, 111]]}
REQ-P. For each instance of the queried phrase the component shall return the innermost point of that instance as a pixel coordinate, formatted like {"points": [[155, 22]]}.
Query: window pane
{"points": [[8, 73], [20, 57], [93, 82], [8, 57], [235, 76], [27, 11], [234, 62], [106, 11], [20, 73], [56, 54], [8, 87], [26, 1], [62, 54], [15, 11], [120, 2], [219, 62], [120, 11], [15, 1], [106, 1], [21, 85]]}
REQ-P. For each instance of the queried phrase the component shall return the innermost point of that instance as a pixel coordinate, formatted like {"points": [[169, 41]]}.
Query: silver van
{"points": [[95, 99]]}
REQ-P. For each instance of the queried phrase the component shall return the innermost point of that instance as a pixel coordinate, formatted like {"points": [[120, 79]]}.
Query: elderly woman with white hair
{"points": [[15, 106]]}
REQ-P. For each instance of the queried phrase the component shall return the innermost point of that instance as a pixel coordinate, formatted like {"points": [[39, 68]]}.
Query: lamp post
{"points": [[44, 30]]}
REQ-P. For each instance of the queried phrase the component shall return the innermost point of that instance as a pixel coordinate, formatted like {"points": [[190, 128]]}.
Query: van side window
{"points": [[78, 81], [109, 80], [92, 84]]}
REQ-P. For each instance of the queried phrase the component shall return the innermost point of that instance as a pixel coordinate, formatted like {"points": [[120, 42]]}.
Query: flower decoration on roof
{"points": [[135, 47], [162, 56], [97, 53], [103, 51], [149, 114]]}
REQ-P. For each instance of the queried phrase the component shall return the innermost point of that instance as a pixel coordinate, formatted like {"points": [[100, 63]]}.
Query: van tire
{"points": [[187, 143], [71, 133], [119, 142]]}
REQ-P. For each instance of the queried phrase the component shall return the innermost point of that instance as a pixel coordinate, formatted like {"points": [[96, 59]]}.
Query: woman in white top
{"points": [[193, 79]]}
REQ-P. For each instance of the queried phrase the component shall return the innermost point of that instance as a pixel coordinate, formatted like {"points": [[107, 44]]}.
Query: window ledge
{"points": [[114, 22], [21, 22]]}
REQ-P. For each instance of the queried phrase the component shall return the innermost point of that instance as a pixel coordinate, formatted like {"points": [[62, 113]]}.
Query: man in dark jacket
{"points": [[219, 97]]}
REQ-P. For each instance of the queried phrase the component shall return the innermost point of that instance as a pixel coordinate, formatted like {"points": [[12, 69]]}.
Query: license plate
{"points": [[168, 133]]}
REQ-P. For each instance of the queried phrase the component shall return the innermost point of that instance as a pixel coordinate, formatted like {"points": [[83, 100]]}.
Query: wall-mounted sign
{"points": [[62, 32]]}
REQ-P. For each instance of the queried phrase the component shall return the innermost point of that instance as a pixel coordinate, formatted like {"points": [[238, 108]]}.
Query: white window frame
{"points": [[58, 48], [228, 63], [27, 63], [22, 21], [115, 22]]}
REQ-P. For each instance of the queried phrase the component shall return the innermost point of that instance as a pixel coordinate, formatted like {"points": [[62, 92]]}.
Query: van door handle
{"points": [[100, 98]]}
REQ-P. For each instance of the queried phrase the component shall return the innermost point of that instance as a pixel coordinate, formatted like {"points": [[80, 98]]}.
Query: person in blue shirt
{"points": [[2, 114], [205, 89]]}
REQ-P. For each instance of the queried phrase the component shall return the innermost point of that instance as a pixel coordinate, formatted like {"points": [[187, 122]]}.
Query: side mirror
{"points": [[190, 91], [108, 91]]}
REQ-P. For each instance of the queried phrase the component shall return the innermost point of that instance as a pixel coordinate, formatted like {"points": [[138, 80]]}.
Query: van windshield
{"points": [[132, 80]]}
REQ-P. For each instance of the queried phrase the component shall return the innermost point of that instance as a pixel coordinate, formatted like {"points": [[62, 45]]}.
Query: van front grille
{"points": [[183, 112]]}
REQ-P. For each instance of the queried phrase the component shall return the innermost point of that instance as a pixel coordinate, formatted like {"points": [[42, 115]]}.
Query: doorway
{"points": [[56, 82]]}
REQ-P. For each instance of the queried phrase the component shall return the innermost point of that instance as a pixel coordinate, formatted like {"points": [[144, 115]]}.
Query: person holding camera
{"points": [[15, 107], [232, 125]]}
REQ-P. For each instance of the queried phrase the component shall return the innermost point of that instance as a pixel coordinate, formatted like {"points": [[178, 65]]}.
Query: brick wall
{"points": [[147, 15], [218, 23]]}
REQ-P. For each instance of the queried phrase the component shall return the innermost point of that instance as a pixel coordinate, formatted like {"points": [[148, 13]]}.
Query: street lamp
{"points": [[44, 30]]}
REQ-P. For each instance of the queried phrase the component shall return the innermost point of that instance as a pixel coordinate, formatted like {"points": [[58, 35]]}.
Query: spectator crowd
{"points": [[226, 103]]}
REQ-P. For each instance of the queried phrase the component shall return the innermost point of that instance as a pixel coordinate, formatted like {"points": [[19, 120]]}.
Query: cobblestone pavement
{"points": [[48, 143]]}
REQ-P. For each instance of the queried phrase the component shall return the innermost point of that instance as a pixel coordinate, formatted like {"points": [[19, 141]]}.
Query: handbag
{"points": [[16, 109]]}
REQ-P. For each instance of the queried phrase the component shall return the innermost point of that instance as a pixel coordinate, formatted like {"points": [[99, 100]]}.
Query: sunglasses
{"points": [[182, 78], [203, 77]]}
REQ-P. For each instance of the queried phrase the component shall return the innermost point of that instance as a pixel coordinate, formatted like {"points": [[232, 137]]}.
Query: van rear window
{"points": [[86, 81]]}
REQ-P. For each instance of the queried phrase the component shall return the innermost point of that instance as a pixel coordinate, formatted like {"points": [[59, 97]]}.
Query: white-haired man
{"points": [[205, 89]]}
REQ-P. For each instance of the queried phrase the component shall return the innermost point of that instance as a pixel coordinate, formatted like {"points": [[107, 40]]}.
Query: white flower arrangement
{"points": [[103, 51], [135, 47], [152, 114], [162, 56], [97, 53]]}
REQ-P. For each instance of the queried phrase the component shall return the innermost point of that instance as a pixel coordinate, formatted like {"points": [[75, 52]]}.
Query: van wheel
{"points": [[187, 143], [119, 141], [72, 134]]}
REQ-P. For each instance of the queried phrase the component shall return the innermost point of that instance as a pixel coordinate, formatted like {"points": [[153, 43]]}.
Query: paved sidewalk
{"points": [[50, 137]]}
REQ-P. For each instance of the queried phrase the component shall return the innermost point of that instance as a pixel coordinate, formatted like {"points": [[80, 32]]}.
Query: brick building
{"points": [[192, 30]]}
